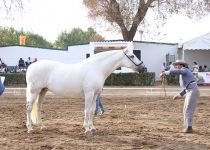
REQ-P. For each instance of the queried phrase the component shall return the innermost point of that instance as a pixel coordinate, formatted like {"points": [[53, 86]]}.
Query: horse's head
{"points": [[133, 62]]}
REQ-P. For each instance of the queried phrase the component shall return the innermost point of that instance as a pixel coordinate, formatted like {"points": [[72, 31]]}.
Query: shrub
{"points": [[172, 79], [121, 79], [14, 79], [131, 79]]}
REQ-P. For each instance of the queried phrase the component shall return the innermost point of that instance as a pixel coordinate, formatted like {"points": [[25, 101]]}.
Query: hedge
{"points": [[121, 79], [14, 79], [131, 79], [172, 79]]}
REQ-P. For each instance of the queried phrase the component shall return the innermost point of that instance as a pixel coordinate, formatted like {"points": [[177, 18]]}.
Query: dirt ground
{"points": [[129, 122]]}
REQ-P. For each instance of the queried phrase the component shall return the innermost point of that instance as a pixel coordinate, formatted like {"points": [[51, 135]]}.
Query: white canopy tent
{"points": [[198, 50]]}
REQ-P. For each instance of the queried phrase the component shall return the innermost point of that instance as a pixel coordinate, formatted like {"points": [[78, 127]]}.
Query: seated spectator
{"points": [[21, 66], [2, 70], [205, 69], [3, 66], [35, 60], [1, 62], [163, 67], [21, 63], [28, 62], [200, 69]]}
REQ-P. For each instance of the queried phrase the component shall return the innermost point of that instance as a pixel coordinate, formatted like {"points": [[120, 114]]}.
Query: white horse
{"points": [[84, 79]]}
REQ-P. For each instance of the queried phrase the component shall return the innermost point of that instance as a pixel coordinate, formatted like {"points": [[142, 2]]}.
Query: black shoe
{"points": [[102, 112], [187, 130]]}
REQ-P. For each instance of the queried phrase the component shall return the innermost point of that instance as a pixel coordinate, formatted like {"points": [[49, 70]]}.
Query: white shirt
{"points": [[171, 66], [195, 68]]}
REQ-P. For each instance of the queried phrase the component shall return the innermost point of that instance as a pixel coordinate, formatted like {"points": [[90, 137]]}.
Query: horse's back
{"points": [[65, 79], [39, 72], [59, 78], [43, 65]]}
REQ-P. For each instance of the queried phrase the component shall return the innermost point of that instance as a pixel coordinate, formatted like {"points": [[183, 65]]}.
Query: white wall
{"points": [[129, 45], [11, 54], [78, 53], [154, 54]]}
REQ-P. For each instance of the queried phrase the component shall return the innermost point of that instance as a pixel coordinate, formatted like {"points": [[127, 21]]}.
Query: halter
{"points": [[132, 60]]}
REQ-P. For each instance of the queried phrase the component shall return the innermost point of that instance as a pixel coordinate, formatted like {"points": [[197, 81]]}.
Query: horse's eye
{"points": [[131, 56]]}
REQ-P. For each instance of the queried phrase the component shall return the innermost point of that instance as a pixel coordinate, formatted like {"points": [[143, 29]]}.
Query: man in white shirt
{"points": [[171, 66], [195, 67], [28, 62]]}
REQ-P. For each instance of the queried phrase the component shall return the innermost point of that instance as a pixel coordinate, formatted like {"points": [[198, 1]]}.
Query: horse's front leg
{"points": [[93, 107], [85, 124], [88, 120]]}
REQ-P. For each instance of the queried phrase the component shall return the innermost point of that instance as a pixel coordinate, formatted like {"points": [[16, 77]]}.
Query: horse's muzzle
{"points": [[142, 69]]}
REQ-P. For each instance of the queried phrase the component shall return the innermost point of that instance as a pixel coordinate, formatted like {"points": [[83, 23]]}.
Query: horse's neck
{"points": [[104, 63], [110, 63]]}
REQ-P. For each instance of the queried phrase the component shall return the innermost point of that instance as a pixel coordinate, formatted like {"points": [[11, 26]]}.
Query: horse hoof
{"points": [[30, 131], [88, 133], [93, 130], [43, 127]]}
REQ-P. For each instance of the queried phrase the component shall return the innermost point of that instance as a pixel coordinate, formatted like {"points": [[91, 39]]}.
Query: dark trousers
{"points": [[99, 104]]}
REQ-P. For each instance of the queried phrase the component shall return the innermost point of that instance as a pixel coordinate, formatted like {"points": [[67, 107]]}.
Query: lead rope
{"points": [[163, 84]]}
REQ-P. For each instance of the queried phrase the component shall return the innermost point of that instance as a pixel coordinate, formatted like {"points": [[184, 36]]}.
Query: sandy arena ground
{"points": [[132, 120]]}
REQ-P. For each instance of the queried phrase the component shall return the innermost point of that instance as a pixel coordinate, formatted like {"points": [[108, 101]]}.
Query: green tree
{"points": [[10, 36], [127, 15], [76, 36], [36, 40]]}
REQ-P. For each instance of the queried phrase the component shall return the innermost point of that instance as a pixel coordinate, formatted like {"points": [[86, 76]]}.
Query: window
{"points": [[137, 53], [87, 55]]}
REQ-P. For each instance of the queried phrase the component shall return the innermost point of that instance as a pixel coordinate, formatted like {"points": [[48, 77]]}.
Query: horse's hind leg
{"points": [[31, 97], [39, 104]]}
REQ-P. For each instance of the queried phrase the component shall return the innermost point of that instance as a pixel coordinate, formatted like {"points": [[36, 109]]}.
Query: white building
{"points": [[11, 54], [151, 53]]}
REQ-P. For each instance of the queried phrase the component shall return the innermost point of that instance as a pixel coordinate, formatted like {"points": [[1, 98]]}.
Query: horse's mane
{"points": [[102, 55]]}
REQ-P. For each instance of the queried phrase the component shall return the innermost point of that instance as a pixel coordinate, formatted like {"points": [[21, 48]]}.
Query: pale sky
{"points": [[180, 28], [50, 17]]}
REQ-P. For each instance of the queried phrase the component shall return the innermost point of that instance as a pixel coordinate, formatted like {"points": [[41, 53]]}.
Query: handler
{"points": [[190, 88]]}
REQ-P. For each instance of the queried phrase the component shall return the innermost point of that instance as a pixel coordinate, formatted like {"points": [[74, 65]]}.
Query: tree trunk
{"points": [[129, 35], [142, 10]]}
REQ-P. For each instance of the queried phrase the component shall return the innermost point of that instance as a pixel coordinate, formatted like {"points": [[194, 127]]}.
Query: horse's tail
{"points": [[36, 108], [35, 113]]}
